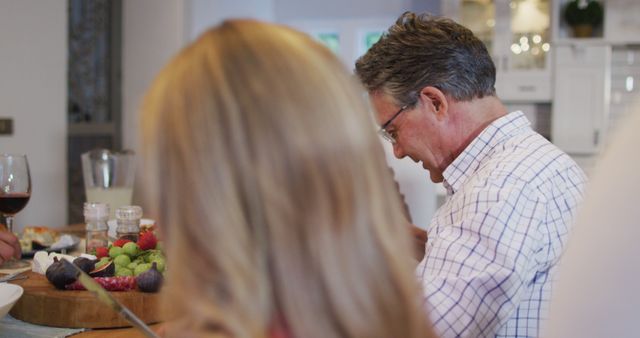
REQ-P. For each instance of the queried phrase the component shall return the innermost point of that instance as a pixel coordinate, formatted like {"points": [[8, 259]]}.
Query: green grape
{"points": [[115, 251], [123, 272], [159, 264], [122, 260], [131, 249], [151, 257], [141, 268]]}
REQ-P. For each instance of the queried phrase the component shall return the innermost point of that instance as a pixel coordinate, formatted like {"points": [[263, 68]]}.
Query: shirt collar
{"points": [[479, 149]]}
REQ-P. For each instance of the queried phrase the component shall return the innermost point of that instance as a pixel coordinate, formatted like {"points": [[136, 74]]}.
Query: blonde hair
{"points": [[267, 178]]}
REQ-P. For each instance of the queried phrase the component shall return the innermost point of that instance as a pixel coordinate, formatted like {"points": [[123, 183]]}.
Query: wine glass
{"points": [[15, 191]]}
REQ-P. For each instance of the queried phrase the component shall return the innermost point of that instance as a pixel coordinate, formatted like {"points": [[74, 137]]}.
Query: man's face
{"points": [[416, 131]]}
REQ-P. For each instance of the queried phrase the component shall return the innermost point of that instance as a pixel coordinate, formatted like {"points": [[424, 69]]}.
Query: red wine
{"points": [[10, 204]]}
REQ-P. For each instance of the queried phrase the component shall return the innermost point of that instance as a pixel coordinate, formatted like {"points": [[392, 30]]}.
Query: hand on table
{"points": [[9, 245]]}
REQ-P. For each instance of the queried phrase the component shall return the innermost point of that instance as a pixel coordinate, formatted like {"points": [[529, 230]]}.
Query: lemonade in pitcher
{"points": [[114, 196], [108, 177]]}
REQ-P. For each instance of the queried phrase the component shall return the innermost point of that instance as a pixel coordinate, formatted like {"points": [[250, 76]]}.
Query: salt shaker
{"points": [[95, 218], [128, 218]]}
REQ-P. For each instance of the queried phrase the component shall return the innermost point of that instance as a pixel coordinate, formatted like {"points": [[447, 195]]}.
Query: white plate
{"points": [[74, 242], [9, 295]]}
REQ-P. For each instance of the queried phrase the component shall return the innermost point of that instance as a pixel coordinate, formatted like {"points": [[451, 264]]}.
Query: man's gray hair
{"points": [[424, 50]]}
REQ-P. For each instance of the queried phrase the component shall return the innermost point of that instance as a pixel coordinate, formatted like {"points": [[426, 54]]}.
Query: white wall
{"points": [[351, 33], [152, 32], [33, 92], [286, 10], [203, 14]]}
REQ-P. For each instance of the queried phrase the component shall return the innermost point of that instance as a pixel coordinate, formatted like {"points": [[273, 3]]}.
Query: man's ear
{"points": [[435, 100]]}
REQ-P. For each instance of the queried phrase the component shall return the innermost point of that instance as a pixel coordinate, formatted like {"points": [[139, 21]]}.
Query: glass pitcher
{"points": [[108, 177]]}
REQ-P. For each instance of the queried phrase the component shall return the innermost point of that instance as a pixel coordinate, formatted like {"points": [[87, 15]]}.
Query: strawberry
{"points": [[121, 241], [102, 252], [147, 240]]}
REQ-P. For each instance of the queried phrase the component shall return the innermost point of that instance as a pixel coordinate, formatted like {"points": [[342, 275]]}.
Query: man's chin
{"points": [[435, 177]]}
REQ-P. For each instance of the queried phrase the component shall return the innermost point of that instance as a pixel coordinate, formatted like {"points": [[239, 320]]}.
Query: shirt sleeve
{"points": [[480, 258]]}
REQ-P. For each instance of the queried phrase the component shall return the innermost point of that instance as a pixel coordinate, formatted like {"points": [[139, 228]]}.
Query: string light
{"points": [[516, 49]]}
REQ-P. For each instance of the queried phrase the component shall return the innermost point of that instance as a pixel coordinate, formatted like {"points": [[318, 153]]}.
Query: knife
{"points": [[12, 277], [107, 299]]}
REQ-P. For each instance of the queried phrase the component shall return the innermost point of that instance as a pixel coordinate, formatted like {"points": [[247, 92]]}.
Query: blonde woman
{"points": [[280, 216]]}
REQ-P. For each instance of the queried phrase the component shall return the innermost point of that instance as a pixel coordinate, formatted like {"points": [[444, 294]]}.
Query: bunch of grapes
{"points": [[133, 258]]}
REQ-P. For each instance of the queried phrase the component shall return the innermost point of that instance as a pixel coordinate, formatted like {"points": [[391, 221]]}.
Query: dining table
{"points": [[128, 332]]}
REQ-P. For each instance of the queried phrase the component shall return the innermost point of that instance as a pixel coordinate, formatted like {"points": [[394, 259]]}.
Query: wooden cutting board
{"points": [[43, 304]]}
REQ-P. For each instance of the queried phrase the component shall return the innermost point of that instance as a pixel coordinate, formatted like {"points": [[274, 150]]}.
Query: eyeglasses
{"points": [[383, 129]]}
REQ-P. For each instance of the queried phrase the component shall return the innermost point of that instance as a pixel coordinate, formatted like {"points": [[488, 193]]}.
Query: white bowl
{"points": [[9, 295]]}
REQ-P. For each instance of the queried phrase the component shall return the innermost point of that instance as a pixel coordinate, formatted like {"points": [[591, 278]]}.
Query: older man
{"points": [[493, 246]]}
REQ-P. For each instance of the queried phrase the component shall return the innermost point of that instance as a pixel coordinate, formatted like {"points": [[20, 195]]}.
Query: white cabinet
{"points": [[517, 35], [581, 102], [621, 21], [594, 78]]}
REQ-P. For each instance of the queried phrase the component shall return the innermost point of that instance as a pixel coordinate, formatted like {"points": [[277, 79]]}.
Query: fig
{"points": [[150, 280], [59, 274], [85, 264], [104, 270]]}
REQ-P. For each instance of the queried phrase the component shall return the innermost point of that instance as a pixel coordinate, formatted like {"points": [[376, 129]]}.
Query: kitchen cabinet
{"points": [[625, 83], [595, 84], [581, 103], [593, 77], [517, 34]]}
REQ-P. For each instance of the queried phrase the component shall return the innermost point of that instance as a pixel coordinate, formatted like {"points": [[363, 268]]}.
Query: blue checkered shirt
{"points": [[493, 246]]}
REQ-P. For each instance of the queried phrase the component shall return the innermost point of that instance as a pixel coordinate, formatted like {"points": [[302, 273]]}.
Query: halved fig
{"points": [[87, 265], [106, 270]]}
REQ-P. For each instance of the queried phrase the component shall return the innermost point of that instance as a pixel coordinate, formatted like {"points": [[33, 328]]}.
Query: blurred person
{"points": [[511, 195], [597, 293], [9, 245], [273, 194]]}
